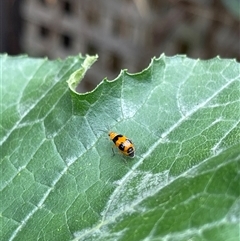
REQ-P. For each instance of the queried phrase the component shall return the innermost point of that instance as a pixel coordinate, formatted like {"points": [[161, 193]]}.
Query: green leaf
{"points": [[60, 181]]}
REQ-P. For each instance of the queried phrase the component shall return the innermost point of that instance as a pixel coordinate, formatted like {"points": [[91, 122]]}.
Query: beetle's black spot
{"points": [[121, 147], [116, 138], [130, 141]]}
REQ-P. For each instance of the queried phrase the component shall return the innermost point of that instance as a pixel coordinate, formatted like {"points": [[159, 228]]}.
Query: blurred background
{"points": [[125, 34]]}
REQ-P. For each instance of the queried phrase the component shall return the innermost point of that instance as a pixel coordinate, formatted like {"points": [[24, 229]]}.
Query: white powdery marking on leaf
{"points": [[140, 186], [125, 201], [96, 233], [130, 195]]}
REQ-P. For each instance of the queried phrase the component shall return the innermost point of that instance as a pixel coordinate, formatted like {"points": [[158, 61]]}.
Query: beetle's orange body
{"points": [[125, 145]]}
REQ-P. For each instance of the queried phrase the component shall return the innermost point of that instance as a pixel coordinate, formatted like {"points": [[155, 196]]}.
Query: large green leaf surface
{"points": [[61, 181]]}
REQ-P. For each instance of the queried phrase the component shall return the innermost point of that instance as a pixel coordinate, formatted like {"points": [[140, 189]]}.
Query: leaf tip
{"points": [[76, 77]]}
